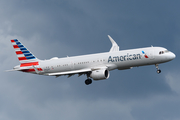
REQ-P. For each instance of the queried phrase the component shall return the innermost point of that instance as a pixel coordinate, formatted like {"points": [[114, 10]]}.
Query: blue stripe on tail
{"points": [[24, 50]]}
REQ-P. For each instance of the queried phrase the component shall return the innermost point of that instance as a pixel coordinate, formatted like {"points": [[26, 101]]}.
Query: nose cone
{"points": [[171, 56]]}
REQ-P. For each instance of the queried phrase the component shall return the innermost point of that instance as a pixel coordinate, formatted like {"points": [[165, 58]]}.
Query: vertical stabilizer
{"points": [[26, 58]]}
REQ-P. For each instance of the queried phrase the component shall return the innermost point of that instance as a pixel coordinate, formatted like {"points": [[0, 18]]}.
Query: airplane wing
{"points": [[80, 72], [70, 73]]}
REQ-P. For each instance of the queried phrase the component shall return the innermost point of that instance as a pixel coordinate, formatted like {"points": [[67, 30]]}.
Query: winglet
{"points": [[114, 47]]}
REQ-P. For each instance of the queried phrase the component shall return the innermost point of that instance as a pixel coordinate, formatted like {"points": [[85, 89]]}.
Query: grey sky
{"points": [[68, 27]]}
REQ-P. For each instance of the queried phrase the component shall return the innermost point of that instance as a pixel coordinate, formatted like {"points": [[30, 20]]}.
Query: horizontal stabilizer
{"points": [[12, 70], [19, 69]]}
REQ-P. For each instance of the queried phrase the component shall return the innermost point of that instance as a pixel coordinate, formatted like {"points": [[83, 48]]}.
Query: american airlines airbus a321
{"points": [[95, 66]]}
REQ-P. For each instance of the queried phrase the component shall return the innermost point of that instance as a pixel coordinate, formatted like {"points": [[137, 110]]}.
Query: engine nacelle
{"points": [[100, 74]]}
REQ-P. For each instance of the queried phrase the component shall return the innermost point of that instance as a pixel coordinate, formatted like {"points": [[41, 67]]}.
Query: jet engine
{"points": [[99, 74]]}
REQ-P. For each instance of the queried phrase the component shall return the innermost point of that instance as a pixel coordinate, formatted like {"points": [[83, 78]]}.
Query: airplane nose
{"points": [[172, 56]]}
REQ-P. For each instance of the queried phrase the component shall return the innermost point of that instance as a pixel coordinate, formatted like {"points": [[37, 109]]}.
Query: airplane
{"points": [[95, 66]]}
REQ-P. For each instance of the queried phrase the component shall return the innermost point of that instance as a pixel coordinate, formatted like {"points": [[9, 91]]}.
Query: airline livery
{"points": [[95, 66]]}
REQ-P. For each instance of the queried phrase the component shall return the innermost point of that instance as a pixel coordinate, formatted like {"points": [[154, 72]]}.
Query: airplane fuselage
{"points": [[95, 66], [124, 59]]}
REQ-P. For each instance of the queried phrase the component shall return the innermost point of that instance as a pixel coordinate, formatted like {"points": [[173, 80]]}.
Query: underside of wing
{"points": [[70, 73]]}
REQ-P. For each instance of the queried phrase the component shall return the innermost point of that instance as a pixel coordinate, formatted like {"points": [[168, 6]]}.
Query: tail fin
{"points": [[26, 58]]}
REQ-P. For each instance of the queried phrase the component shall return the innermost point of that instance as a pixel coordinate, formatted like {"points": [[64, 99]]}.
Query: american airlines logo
{"points": [[124, 58], [145, 54]]}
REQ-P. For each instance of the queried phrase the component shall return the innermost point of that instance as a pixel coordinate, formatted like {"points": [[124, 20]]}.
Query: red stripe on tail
{"points": [[15, 46], [12, 41], [22, 58], [29, 64], [19, 52], [32, 70]]}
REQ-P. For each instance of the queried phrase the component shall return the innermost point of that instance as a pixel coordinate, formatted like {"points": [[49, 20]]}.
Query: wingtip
{"points": [[115, 46]]}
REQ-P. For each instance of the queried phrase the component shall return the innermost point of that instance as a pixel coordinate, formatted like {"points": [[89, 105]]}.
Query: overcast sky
{"points": [[57, 28]]}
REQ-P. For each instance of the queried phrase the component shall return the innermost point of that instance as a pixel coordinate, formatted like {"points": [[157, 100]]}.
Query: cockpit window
{"points": [[166, 51], [162, 52]]}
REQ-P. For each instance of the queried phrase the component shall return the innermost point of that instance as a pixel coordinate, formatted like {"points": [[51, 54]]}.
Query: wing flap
{"points": [[70, 72]]}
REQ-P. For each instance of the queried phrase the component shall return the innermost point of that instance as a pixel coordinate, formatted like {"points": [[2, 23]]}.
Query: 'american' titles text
{"points": [[124, 58]]}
